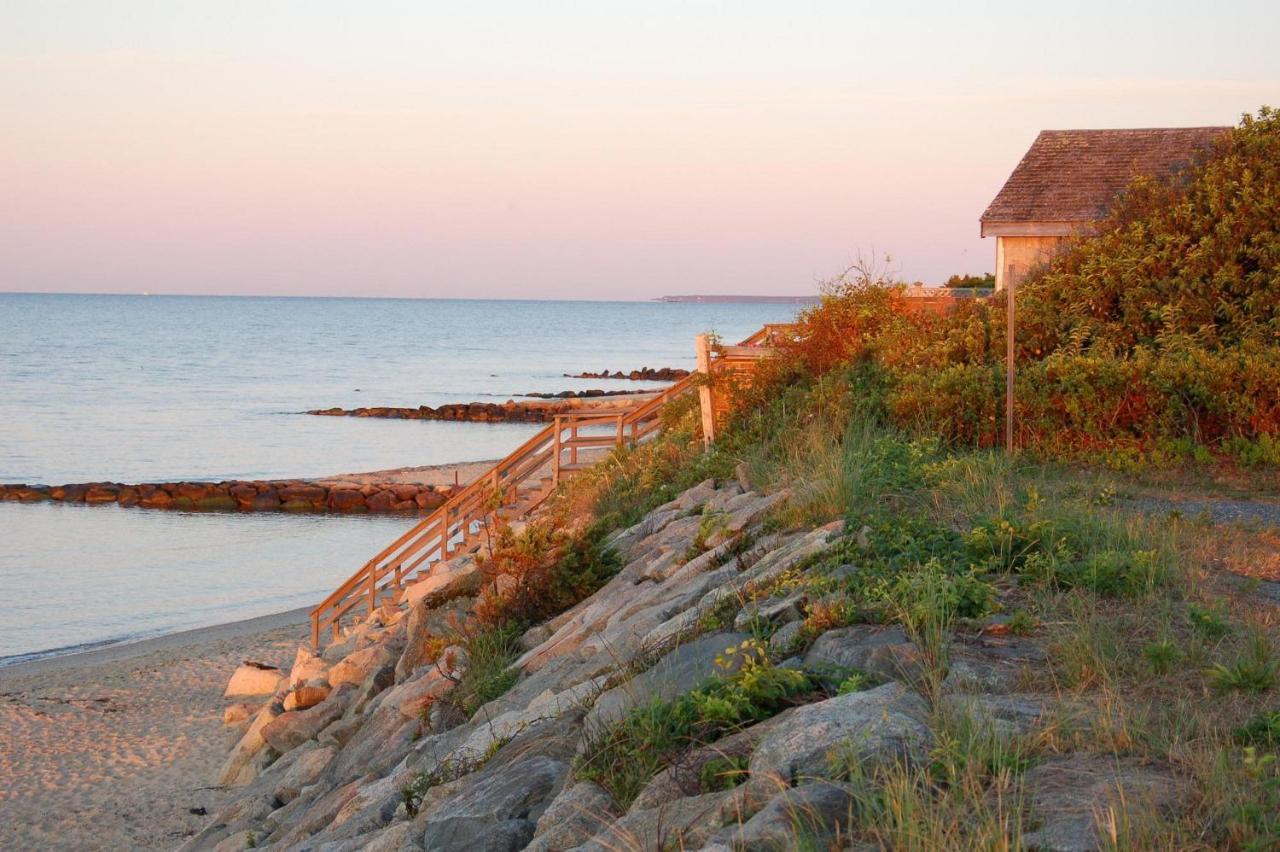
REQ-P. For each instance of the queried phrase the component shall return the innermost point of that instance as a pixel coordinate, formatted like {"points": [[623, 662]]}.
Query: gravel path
{"points": [[1220, 511]]}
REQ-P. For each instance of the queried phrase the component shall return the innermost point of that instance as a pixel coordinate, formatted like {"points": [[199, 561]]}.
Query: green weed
{"points": [[1258, 672]]}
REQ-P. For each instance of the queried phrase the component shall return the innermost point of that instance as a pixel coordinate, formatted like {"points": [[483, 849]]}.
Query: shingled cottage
{"points": [[1069, 178]]}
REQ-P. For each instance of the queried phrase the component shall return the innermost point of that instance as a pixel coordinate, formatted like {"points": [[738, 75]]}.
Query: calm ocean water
{"points": [[138, 389]]}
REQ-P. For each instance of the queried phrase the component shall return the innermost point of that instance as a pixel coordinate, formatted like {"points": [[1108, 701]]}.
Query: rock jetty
{"points": [[280, 495], [359, 747], [644, 374], [537, 411], [590, 393]]}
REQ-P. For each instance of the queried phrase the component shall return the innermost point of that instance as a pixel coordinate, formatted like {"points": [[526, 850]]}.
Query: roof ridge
{"points": [[1133, 129]]}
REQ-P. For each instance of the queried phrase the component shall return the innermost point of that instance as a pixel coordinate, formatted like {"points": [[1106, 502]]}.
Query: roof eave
{"points": [[1030, 229]]}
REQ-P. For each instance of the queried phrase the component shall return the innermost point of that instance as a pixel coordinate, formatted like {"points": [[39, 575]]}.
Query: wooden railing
{"points": [[512, 488]]}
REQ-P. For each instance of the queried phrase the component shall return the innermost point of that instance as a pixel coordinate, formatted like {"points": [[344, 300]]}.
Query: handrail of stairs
{"points": [[455, 527]]}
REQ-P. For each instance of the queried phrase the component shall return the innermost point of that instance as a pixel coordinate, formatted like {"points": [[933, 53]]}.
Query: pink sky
{"points": [[577, 151]]}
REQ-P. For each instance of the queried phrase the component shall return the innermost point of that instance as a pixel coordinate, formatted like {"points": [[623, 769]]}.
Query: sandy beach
{"points": [[114, 748], [432, 474]]}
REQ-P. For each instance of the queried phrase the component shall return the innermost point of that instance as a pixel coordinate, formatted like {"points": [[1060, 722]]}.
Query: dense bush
{"points": [[1158, 334]]}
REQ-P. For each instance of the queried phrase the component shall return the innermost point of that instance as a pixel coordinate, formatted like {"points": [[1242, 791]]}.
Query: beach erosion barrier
{"points": [[286, 495], [542, 410]]}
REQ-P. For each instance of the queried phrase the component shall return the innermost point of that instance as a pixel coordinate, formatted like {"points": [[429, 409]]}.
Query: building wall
{"points": [[1016, 256]]}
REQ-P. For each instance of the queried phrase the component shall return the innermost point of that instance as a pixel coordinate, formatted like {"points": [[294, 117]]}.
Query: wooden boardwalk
{"points": [[519, 483]]}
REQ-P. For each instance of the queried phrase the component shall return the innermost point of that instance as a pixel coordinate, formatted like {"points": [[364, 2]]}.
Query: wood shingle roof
{"points": [[1072, 176]]}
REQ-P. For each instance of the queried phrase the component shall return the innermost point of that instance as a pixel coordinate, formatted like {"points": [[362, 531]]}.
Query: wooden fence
{"points": [[519, 483]]}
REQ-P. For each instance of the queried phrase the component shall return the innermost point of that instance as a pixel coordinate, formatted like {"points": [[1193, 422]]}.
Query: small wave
{"points": [[65, 650]]}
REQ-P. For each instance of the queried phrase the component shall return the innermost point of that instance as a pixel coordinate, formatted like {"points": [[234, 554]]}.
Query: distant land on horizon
{"points": [[780, 300]]}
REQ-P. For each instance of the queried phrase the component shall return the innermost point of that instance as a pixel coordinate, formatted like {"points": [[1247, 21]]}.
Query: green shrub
{"points": [[723, 773], [928, 594], [1208, 623], [1265, 450], [1161, 656], [488, 672], [1262, 730], [625, 756], [1257, 672]]}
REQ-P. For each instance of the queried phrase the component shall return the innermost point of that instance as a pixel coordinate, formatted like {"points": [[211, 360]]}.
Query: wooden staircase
{"points": [[509, 491]]}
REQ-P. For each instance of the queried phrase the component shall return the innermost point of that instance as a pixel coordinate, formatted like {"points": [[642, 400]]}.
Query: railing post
{"points": [[702, 344], [315, 630], [555, 453], [373, 588], [618, 437]]}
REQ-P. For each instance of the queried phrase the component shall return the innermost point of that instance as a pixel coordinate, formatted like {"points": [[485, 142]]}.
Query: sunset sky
{"points": [[561, 150]]}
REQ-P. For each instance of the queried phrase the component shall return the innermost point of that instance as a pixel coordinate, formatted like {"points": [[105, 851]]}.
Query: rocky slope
{"points": [[359, 749]]}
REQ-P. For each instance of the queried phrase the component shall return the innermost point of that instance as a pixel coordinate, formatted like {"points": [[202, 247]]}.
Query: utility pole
{"points": [[1009, 366]]}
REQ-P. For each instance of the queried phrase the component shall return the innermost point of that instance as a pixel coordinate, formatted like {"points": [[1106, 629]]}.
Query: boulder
{"points": [[381, 501], [427, 686], [883, 651], [1004, 715], [192, 491], [786, 638], [357, 666], [265, 501], [425, 627], [494, 810], [73, 493], [236, 769], [683, 824], [449, 579], [393, 838], [217, 503], [346, 501], [303, 493], [746, 515], [305, 695], [1069, 795], [771, 610], [872, 727], [992, 664], [243, 493], [373, 805], [499, 727], [685, 777], [307, 666], [404, 490], [290, 730], [812, 815], [676, 673], [428, 499], [577, 814], [301, 768], [238, 712], [252, 678], [102, 494]]}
